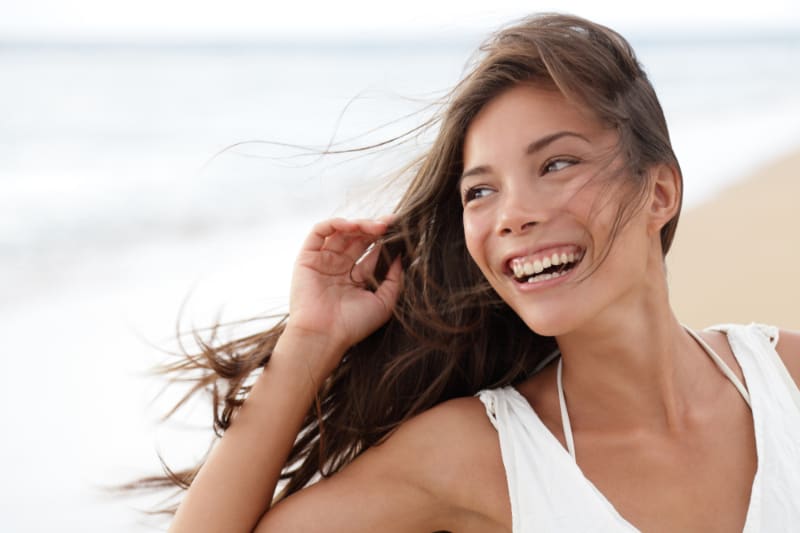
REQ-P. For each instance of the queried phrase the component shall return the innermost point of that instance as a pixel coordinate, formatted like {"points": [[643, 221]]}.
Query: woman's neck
{"points": [[633, 366]]}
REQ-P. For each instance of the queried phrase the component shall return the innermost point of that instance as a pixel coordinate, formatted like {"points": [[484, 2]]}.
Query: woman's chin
{"points": [[549, 326]]}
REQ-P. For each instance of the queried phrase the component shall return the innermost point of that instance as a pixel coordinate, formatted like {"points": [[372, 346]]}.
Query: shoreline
{"points": [[736, 257]]}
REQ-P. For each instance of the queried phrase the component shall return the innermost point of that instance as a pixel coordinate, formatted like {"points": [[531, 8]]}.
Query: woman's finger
{"points": [[322, 231], [337, 234], [365, 266], [358, 246], [389, 289]]}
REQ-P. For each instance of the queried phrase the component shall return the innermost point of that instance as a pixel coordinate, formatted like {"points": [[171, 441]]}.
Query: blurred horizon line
{"points": [[389, 41]]}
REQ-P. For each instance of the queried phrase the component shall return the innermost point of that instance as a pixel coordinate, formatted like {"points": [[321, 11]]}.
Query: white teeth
{"points": [[533, 269], [544, 277]]}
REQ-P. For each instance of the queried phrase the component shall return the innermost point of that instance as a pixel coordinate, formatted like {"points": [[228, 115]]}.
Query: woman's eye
{"points": [[555, 165], [474, 193]]}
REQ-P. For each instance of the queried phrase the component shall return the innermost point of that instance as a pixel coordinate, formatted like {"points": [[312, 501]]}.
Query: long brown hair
{"points": [[450, 335]]}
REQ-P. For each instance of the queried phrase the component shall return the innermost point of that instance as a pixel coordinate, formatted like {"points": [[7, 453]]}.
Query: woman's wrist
{"points": [[309, 353]]}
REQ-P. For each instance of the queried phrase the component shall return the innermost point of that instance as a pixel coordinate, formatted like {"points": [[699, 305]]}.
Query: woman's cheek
{"points": [[472, 236]]}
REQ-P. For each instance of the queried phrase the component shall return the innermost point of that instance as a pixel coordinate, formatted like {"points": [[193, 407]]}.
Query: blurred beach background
{"points": [[135, 182]]}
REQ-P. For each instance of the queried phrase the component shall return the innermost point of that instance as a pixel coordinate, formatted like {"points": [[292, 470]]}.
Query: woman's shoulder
{"points": [[456, 454], [786, 343], [452, 431], [428, 474]]}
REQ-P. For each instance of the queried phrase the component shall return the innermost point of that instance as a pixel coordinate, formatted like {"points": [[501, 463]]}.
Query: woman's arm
{"points": [[410, 483], [789, 349], [236, 484], [330, 309], [414, 482]]}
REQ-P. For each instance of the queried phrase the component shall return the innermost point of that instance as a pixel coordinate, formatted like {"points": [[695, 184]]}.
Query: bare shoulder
{"points": [[718, 340], [449, 422], [456, 453], [788, 348], [441, 470], [434, 444]]}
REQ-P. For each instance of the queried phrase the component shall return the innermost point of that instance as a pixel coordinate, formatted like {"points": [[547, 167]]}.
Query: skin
{"points": [[658, 429]]}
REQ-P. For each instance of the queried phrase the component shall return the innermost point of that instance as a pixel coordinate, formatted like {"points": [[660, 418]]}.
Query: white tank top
{"points": [[549, 492]]}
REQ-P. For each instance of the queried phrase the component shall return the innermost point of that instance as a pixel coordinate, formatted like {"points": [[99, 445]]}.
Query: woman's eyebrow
{"points": [[540, 144], [535, 146]]}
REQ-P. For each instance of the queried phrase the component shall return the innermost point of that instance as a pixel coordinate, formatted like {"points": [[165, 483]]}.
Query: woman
{"points": [[504, 358]]}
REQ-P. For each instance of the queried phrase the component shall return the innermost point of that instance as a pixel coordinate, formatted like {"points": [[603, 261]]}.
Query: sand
{"points": [[737, 257]]}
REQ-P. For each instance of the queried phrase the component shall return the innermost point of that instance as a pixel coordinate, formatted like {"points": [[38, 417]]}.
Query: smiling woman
{"points": [[556, 181], [500, 354]]}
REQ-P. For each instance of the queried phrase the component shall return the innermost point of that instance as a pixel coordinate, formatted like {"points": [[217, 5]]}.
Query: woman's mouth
{"points": [[545, 265]]}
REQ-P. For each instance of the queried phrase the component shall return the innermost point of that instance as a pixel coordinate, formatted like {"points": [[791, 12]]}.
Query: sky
{"points": [[247, 19]]}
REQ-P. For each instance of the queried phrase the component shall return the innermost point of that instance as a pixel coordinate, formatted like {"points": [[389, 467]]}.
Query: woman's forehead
{"points": [[524, 113]]}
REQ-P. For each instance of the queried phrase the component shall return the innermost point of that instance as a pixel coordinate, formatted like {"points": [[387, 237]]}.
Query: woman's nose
{"points": [[519, 213]]}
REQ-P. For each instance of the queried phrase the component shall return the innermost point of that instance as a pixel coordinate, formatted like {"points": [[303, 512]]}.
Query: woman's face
{"points": [[541, 189]]}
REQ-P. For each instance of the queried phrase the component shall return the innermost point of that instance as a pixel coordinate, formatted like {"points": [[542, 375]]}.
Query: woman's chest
{"points": [[667, 489], [698, 478]]}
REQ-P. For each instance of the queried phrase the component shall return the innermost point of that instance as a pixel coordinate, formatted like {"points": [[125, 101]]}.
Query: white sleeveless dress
{"points": [[549, 493]]}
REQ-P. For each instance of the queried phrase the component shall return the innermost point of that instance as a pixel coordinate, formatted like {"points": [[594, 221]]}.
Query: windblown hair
{"points": [[450, 334]]}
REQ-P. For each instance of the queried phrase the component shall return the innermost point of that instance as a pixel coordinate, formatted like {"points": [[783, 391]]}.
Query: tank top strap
{"points": [[722, 365], [757, 342], [776, 421], [547, 490]]}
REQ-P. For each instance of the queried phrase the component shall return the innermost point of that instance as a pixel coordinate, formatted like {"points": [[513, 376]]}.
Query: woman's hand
{"points": [[329, 299]]}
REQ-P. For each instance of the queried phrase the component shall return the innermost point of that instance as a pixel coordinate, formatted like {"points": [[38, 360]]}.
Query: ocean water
{"points": [[134, 179]]}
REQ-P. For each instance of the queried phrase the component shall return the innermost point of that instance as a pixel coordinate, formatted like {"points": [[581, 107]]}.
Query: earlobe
{"points": [[665, 195]]}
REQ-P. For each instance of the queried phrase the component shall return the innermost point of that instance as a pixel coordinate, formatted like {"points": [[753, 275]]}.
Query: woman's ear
{"points": [[665, 195]]}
